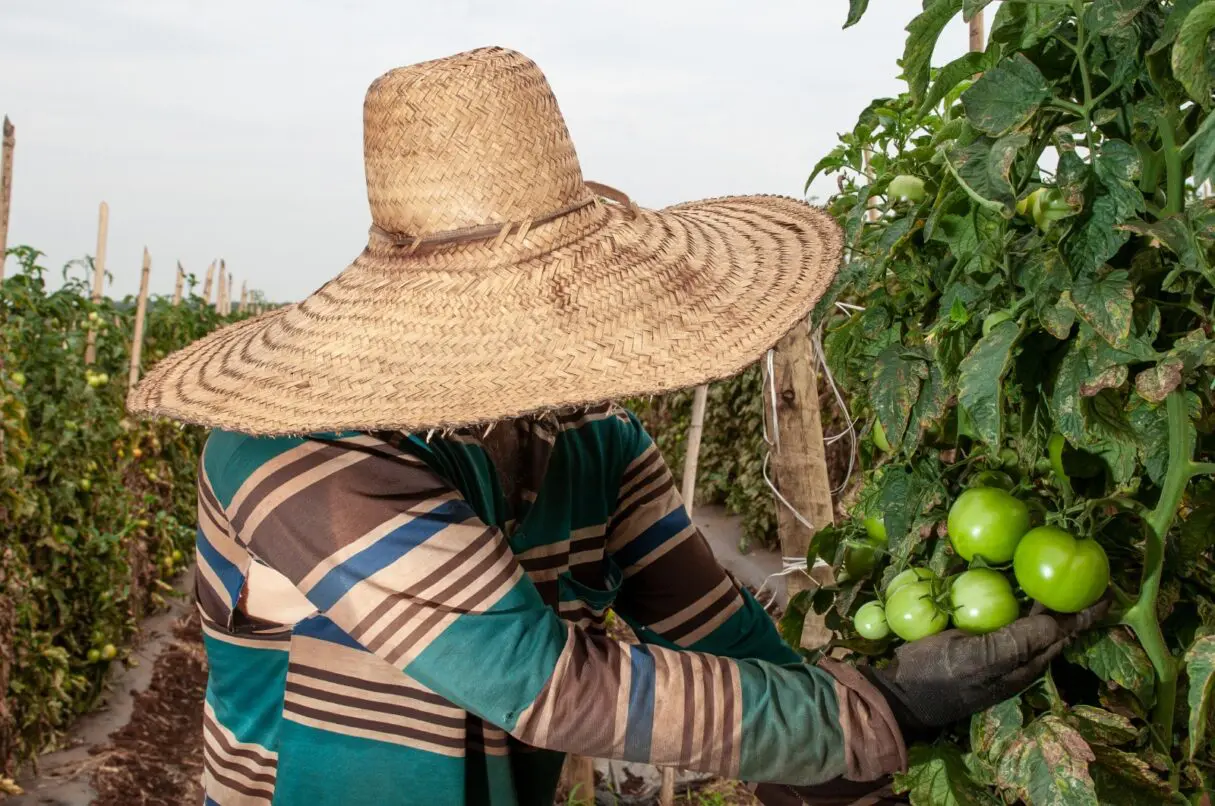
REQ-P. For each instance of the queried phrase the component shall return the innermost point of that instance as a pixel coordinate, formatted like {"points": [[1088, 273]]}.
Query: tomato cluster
{"points": [[990, 529]]}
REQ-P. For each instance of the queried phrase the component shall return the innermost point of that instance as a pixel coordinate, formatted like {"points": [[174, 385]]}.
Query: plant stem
{"points": [[1203, 469], [1172, 164], [1142, 616], [1068, 106]]}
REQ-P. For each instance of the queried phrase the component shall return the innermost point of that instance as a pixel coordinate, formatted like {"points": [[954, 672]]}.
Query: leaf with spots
{"points": [[1200, 669], [1107, 16], [1125, 779], [1198, 528], [1047, 765], [1097, 239], [1099, 726], [993, 729], [923, 33], [981, 380], [1116, 657], [1155, 383], [1005, 96], [937, 776], [897, 378], [1190, 52], [929, 407], [985, 166], [1105, 303]]}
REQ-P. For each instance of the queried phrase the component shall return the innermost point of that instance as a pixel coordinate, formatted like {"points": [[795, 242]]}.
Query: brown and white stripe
{"points": [[355, 693], [235, 772]]}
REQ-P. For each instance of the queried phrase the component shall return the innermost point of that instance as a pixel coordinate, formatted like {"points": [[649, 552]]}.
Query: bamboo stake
{"points": [[207, 284], [141, 310], [103, 230], [181, 278], [244, 296], [6, 189]]}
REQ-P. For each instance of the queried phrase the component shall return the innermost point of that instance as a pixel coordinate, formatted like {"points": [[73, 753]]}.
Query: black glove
{"points": [[942, 679]]}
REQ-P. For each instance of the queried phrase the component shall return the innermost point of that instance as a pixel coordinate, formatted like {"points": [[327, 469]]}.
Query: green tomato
{"points": [[870, 621], [879, 436], [1009, 458], [18, 379], [994, 319], [109, 652], [987, 522], [1063, 573], [86, 484], [982, 601], [94, 655], [913, 614], [907, 577], [876, 529], [905, 186]]}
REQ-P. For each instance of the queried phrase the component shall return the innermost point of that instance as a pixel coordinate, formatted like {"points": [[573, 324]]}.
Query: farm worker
{"points": [[437, 634]]}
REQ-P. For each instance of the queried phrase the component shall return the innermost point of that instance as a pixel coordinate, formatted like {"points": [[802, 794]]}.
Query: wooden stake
{"points": [[103, 230], [228, 296], [978, 40], [244, 297], [181, 278], [6, 189], [799, 463], [578, 775], [141, 310], [223, 290], [208, 283]]}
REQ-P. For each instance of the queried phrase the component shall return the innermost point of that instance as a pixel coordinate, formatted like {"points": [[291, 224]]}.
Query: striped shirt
{"points": [[444, 645]]}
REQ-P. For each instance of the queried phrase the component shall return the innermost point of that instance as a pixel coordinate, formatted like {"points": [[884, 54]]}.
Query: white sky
{"points": [[233, 128]]}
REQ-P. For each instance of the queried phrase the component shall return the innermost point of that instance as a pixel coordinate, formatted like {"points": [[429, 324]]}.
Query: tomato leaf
{"points": [[984, 167], [901, 500], [1097, 240], [897, 378], [1200, 668], [793, 622], [953, 74], [1107, 16], [1190, 52], [929, 407], [1047, 765], [981, 380], [972, 7], [1105, 302], [923, 33], [1117, 166], [1151, 425], [1204, 150], [1155, 383], [937, 776], [1172, 24], [856, 9], [1099, 726], [993, 729], [1005, 96], [1125, 779], [1116, 657], [1198, 528]]}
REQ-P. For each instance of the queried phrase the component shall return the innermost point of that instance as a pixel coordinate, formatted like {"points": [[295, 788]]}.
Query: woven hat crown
{"points": [[466, 141]]}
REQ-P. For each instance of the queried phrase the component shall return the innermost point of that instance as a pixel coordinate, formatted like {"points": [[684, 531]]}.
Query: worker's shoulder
{"points": [[231, 458]]}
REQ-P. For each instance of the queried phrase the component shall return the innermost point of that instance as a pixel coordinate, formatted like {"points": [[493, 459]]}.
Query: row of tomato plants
{"points": [[96, 509], [1029, 308]]}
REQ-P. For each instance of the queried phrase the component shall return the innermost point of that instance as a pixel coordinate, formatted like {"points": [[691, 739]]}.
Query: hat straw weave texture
{"points": [[497, 282]]}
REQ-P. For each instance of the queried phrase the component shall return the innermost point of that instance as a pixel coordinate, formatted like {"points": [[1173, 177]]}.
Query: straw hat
{"points": [[497, 282]]}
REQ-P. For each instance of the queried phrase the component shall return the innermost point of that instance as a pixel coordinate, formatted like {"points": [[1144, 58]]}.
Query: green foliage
{"points": [[1054, 287], [97, 510]]}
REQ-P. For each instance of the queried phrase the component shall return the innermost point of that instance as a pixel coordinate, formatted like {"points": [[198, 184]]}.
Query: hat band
{"points": [[499, 232]]}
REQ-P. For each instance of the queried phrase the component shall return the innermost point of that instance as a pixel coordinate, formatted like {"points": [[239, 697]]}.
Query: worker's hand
{"points": [[947, 677]]}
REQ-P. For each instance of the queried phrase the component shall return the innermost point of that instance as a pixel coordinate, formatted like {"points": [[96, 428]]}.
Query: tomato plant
{"points": [[87, 533], [1042, 322]]}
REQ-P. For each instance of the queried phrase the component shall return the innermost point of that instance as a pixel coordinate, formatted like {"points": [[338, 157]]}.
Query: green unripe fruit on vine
{"points": [[879, 437], [905, 186], [93, 317], [18, 379], [870, 621], [907, 577], [995, 319], [109, 652], [94, 655]]}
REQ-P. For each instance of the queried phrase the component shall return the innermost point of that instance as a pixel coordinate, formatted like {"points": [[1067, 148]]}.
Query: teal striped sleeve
{"points": [[674, 593], [400, 563]]}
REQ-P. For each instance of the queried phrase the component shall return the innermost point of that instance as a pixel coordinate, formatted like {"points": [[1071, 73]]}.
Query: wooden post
{"points": [[141, 310], [244, 296], [223, 288], [181, 278], [208, 283], [103, 230], [578, 775], [978, 40], [228, 296], [799, 463], [6, 189]]}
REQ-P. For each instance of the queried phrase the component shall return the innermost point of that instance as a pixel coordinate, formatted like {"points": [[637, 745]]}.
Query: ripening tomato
{"points": [[987, 522], [870, 621], [912, 612], [982, 601], [908, 576], [1063, 573]]}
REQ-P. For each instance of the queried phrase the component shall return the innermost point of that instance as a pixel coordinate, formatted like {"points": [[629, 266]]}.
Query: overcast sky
{"points": [[233, 128]]}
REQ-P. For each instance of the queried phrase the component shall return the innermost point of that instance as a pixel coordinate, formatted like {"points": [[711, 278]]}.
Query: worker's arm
{"points": [[400, 563], [674, 592]]}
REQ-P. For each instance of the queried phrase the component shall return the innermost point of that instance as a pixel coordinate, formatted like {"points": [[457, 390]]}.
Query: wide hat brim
{"points": [[603, 304]]}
